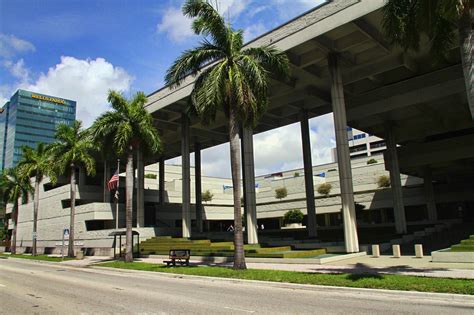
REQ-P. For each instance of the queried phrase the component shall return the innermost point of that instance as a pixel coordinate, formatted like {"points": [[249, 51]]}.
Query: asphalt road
{"points": [[43, 288]]}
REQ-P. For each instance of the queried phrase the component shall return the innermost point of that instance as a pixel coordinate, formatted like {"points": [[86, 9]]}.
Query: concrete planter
{"points": [[447, 256], [294, 225]]}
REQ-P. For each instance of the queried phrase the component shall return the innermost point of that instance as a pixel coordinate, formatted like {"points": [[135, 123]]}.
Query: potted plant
{"points": [[293, 218]]}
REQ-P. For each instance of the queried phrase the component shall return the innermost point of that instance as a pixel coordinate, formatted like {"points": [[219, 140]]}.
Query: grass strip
{"points": [[371, 281], [37, 257]]}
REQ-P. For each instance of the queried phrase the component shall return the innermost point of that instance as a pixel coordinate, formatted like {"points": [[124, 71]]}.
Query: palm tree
{"points": [[229, 77], [405, 20], [15, 186], [71, 150], [38, 163], [130, 128]]}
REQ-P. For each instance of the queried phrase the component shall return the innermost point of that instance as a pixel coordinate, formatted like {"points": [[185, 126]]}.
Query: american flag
{"points": [[113, 182]]}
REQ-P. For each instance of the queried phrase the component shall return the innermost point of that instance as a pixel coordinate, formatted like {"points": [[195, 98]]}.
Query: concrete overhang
{"points": [[418, 97]]}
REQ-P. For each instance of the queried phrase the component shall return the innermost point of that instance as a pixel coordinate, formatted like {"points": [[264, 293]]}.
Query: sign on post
{"points": [[65, 235]]}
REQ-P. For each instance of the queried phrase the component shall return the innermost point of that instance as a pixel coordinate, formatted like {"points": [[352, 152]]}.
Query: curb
{"points": [[444, 297]]}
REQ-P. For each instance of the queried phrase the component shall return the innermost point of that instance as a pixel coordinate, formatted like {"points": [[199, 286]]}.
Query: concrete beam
{"points": [[248, 172]]}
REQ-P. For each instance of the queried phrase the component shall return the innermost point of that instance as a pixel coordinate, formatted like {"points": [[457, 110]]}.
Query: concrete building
{"points": [[362, 144], [29, 118], [340, 63]]}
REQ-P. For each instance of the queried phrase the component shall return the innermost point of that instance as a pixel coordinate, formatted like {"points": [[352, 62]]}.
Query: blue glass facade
{"points": [[29, 118]]}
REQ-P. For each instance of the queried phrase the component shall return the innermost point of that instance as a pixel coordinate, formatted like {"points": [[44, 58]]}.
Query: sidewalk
{"points": [[407, 265]]}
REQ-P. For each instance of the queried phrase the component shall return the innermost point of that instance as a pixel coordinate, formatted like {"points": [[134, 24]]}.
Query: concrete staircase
{"points": [[161, 245]]}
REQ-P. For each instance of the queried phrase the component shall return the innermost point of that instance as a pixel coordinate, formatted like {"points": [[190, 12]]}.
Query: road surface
{"points": [[28, 287]]}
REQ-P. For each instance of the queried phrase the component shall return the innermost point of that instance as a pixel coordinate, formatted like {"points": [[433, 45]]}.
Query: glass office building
{"points": [[29, 118]]}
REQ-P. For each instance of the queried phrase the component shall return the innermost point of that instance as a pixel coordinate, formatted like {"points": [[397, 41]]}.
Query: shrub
{"points": [[383, 181], [293, 216], [281, 193], [297, 174], [324, 189], [331, 170], [371, 161], [150, 175], [207, 196]]}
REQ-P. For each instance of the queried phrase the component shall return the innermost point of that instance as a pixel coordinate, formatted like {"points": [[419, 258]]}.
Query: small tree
{"points": [[207, 196], [281, 193], [324, 189], [293, 216], [371, 161], [383, 181], [297, 174]]}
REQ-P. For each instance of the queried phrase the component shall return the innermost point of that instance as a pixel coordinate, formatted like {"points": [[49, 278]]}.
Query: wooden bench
{"points": [[180, 256]]}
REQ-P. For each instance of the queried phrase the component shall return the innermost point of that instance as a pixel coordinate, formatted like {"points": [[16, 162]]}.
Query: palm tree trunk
{"points": [[239, 257], [15, 224], [35, 215], [129, 205], [70, 247], [465, 45]]}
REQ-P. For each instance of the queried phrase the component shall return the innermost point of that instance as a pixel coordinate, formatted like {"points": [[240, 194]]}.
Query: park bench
{"points": [[180, 256]]}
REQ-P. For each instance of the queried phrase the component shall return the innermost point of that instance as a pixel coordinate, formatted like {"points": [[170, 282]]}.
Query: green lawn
{"points": [[37, 257], [372, 281]]}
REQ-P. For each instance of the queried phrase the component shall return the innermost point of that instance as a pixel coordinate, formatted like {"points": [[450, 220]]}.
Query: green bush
{"points": [[281, 193], [150, 175], [324, 189], [332, 170], [383, 181], [293, 216], [371, 161], [297, 174], [207, 196]]}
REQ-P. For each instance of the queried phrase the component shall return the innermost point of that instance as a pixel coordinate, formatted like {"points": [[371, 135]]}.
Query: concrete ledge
{"points": [[312, 261], [445, 255]]}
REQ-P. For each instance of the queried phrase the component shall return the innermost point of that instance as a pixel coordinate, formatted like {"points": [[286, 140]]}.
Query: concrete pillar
{"points": [[107, 177], [82, 176], [186, 177], [140, 189], [327, 219], [308, 173], [343, 156], [429, 195], [375, 251], [395, 181], [248, 172], [197, 185], [161, 181], [396, 251]]}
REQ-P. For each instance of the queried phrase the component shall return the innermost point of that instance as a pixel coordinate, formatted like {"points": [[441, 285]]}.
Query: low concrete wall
{"points": [[447, 256]]}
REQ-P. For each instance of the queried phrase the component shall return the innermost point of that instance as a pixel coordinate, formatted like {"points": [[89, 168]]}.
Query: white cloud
{"points": [[176, 26], [253, 31], [276, 150], [85, 81], [10, 45], [18, 70]]}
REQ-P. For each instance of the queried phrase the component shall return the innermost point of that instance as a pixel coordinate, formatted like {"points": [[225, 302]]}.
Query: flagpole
{"points": [[117, 197]]}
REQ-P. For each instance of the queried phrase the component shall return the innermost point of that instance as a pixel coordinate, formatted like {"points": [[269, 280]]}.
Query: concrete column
{"points": [[248, 171], [197, 185], [107, 176], [82, 176], [186, 176], [395, 181], [429, 195], [308, 173], [140, 189], [327, 219], [161, 181], [343, 156]]}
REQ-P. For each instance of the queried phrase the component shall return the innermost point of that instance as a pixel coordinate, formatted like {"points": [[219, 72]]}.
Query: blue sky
{"points": [[79, 49]]}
